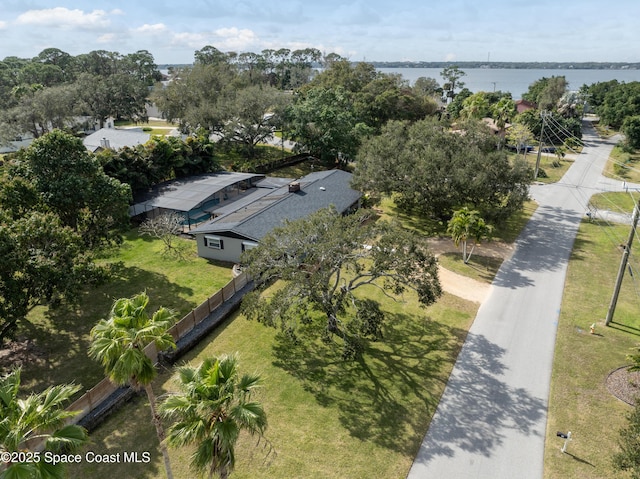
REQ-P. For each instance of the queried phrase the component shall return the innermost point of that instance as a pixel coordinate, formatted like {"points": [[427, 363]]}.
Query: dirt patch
{"points": [[463, 287], [19, 353], [624, 384]]}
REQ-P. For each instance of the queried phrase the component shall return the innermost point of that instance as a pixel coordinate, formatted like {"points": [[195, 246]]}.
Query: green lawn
{"points": [[553, 168], [480, 268], [327, 418], [58, 352], [619, 202], [579, 400], [508, 232], [623, 165]]}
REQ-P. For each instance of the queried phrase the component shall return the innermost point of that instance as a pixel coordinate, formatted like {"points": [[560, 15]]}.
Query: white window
{"points": [[247, 245], [213, 242]]}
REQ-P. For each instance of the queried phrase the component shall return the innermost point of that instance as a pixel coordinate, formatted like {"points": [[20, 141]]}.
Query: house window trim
{"points": [[247, 245], [213, 242]]}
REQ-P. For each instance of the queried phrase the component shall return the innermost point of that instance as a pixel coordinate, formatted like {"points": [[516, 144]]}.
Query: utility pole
{"points": [[544, 115], [623, 267]]}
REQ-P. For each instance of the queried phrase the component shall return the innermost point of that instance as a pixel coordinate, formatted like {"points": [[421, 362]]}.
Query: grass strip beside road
{"points": [[579, 399], [623, 165]]}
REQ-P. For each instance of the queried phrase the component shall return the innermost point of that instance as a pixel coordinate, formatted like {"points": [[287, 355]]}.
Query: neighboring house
{"points": [[524, 105], [13, 146], [114, 139], [242, 226], [493, 126], [197, 197]]}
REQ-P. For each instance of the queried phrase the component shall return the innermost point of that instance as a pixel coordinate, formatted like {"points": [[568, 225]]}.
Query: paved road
{"points": [[492, 417]]}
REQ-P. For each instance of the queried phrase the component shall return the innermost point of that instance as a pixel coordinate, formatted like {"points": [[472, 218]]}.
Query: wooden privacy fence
{"points": [[268, 166], [105, 388]]}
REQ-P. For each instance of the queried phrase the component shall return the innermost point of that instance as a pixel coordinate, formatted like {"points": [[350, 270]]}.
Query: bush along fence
{"points": [[105, 397]]}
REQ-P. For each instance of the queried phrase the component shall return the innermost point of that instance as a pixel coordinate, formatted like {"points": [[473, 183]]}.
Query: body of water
{"points": [[517, 81]]}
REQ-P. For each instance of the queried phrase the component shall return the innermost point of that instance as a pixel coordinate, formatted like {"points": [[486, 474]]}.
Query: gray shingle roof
{"points": [[317, 190], [116, 138]]}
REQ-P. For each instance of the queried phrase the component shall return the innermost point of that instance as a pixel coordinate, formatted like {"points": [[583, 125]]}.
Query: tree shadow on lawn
{"points": [[581, 244], [63, 339], [387, 395]]}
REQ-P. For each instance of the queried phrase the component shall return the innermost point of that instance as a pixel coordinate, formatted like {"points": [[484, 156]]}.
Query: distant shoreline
{"points": [[484, 65], [514, 65]]}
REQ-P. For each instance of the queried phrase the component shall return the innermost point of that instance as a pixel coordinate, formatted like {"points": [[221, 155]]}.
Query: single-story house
{"points": [[15, 145], [196, 198], [114, 139], [524, 105], [493, 126], [227, 236]]}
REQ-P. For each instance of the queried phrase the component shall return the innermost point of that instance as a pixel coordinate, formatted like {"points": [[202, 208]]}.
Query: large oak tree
{"points": [[435, 171], [323, 260], [68, 181]]}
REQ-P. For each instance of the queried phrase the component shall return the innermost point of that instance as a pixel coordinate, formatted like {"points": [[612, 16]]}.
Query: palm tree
{"points": [[503, 111], [118, 344], [26, 423], [464, 225], [210, 410], [475, 106]]}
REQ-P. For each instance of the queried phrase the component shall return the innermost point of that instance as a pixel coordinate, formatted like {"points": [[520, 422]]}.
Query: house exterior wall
{"points": [[232, 248]]}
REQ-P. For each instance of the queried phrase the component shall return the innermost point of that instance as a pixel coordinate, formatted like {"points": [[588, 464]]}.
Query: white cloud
{"points": [[236, 39], [107, 38], [63, 17], [152, 29], [223, 39], [191, 40], [449, 57], [3, 25]]}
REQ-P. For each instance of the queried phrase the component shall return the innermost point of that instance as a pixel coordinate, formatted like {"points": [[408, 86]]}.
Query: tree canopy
{"points": [[620, 101], [467, 225], [160, 159], [55, 90], [322, 261], [435, 171], [631, 129], [58, 208], [546, 92], [67, 180], [451, 76], [42, 261]]}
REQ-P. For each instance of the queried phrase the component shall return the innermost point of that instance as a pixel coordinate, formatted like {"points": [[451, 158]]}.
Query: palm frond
{"points": [[68, 438]]}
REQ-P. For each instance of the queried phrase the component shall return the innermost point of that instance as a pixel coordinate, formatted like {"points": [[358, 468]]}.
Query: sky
{"points": [[371, 30]]}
